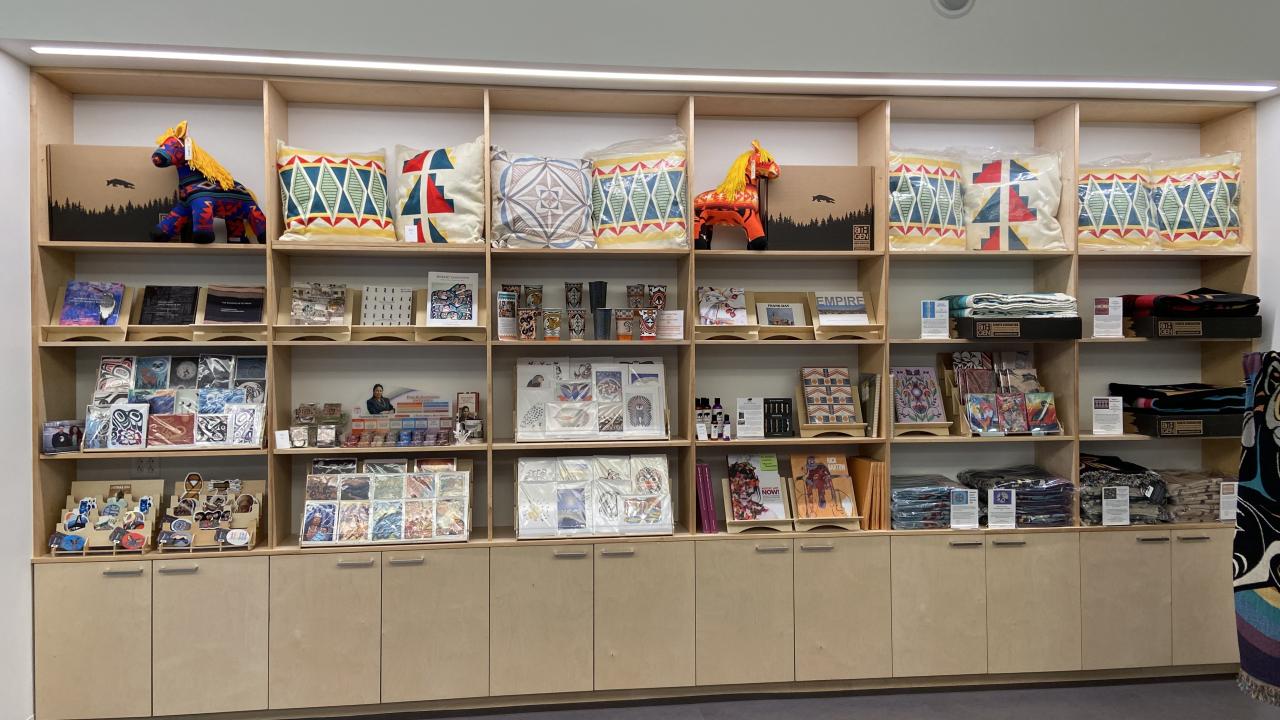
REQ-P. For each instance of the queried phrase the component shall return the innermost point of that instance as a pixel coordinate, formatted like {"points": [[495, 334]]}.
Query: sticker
{"points": [[71, 543], [180, 525], [133, 541], [238, 537]]}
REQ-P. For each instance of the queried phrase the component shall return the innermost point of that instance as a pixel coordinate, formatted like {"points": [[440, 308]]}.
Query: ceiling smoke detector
{"points": [[953, 8]]}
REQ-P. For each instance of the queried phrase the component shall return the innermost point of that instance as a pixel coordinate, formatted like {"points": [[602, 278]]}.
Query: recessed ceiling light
{"points": [[676, 78]]}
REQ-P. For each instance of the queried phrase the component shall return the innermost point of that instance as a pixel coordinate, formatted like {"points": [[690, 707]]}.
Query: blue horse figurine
{"points": [[206, 191]]}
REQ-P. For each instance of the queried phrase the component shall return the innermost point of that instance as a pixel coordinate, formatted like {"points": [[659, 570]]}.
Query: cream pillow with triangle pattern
{"points": [[1011, 202]]}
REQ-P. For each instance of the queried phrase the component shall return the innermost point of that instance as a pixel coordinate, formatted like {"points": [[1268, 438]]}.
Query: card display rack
{"points": [[893, 282]]}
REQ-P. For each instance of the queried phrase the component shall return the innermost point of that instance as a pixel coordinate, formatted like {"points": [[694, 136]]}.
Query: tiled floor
{"points": [[1176, 700]]}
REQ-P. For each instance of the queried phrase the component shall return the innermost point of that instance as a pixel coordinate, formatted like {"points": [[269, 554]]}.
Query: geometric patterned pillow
{"points": [[638, 194], [441, 193], [541, 201], [1197, 202], [1011, 203], [1115, 208], [328, 196], [926, 202]]}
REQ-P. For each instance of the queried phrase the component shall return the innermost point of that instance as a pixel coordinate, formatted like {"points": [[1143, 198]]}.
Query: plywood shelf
{"points": [[569, 344], [1160, 256], [357, 249], [377, 343], [789, 255], [602, 447], [385, 450], [1002, 256], [158, 248], [156, 344], [787, 343], [598, 253], [153, 453], [966, 439], [738, 443]]}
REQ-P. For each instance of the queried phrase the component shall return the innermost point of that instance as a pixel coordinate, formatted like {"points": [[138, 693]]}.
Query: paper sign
{"points": [[1108, 317], [934, 320], [964, 509], [750, 417], [1001, 513], [1115, 505], [282, 439], [702, 432], [1108, 416], [1227, 501]]}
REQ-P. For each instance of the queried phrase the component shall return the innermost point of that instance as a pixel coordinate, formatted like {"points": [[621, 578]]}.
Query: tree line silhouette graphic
{"points": [[833, 230], [72, 221]]}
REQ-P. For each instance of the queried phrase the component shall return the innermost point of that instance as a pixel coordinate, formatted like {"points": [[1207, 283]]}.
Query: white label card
{"points": [[935, 321], [1227, 501], [282, 440], [1115, 505], [1108, 317], [750, 417], [964, 509], [702, 432], [1108, 416], [1001, 509]]}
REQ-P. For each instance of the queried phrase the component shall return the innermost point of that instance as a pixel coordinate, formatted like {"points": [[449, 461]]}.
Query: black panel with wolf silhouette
{"points": [[821, 207]]}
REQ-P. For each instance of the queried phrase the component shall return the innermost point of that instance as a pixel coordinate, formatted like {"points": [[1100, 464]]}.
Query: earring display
{"points": [[378, 507], [590, 400], [593, 496]]}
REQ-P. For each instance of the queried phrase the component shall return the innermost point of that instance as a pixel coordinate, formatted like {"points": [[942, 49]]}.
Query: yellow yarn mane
{"points": [[198, 159], [735, 181]]}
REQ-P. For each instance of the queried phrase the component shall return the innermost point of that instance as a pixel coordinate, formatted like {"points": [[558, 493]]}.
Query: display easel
{"points": [[764, 331], [468, 333], [382, 333], [857, 428], [98, 542], [285, 330], [225, 332], [740, 526], [157, 333], [204, 540], [853, 522], [95, 333]]}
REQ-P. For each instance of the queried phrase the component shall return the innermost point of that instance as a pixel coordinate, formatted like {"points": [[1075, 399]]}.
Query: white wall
{"points": [[15, 395], [1268, 217]]}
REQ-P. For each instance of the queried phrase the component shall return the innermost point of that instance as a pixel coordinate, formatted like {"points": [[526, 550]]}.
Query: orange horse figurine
{"points": [[736, 202]]}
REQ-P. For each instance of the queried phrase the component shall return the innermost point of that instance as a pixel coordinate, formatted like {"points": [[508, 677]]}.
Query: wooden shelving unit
{"points": [[310, 111]]}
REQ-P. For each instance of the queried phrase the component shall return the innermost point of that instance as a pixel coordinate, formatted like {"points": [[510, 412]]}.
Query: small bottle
{"points": [[717, 421]]}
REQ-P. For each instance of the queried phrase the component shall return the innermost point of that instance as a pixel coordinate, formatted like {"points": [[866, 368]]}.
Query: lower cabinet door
{"points": [[1204, 613], [435, 624], [939, 605], [92, 640], [1033, 602], [643, 615], [540, 619], [745, 623], [209, 630], [326, 629], [842, 609], [1125, 599]]}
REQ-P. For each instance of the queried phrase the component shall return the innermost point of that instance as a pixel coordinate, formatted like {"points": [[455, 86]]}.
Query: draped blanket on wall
{"points": [[1257, 540]]}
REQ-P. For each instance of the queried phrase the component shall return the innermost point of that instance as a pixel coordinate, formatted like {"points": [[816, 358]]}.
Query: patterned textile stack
{"points": [[1198, 303], [1193, 495], [1042, 499], [1146, 489], [921, 502], [1021, 305], [1195, 398]]}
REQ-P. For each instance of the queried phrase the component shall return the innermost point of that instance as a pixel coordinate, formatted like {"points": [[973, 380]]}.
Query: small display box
{"points": [[1017, 328], [1227, 425], [1223, 328]]}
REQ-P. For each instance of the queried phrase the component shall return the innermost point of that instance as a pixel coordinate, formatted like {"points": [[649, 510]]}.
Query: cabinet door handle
{"points": [[367, 562], [134, 572], [180, 570], [772, 548], [966, 543], [1193, 538], [421, 559], [1153, 539], [805, 547], [624, 552], [571, 554], [1008, 543]]}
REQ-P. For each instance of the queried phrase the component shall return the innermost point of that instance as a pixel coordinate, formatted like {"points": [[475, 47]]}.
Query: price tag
{"points": [[1227, 501], [1001, 513], [935, 321], [1108, 416], [282, 439], [1108, 317], [1115, 505], [702, 432], [964, 509]]}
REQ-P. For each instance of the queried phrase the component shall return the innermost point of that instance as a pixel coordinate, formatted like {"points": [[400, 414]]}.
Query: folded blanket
{"points": [[1198, 303], [1181, 398], [1012, 305], [1147, 491]]}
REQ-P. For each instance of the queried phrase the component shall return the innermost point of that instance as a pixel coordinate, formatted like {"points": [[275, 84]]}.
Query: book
{"points": [[91, 303], [975, 359], [722, 306], [708, 521], [980, 411], [869, 396], [821, 487], [871, 487], [169, 305], [1012, 411], [233, 305], [386, 306], [916, 395], [839, 307], [976, 380], [318, 304], [755, 488], [452, 298], [829, 397], [1042, 413], [781, 314]]}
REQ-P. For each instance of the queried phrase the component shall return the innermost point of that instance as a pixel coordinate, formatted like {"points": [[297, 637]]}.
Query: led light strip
{"points": [[654, 77]]}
